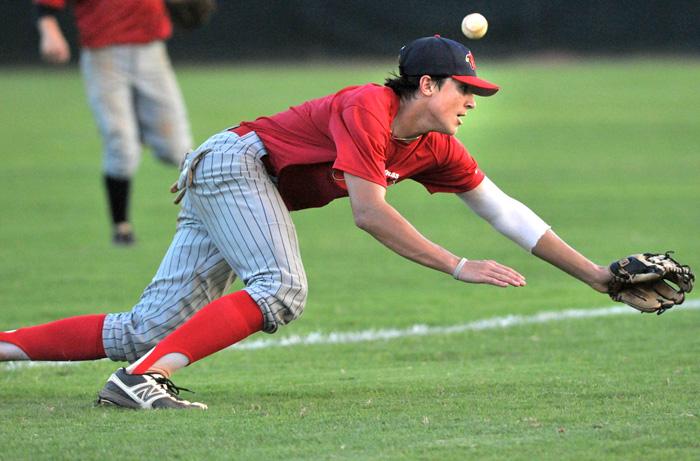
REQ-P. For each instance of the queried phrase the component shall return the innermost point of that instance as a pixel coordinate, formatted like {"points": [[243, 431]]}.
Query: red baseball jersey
{"points": [[103, 23], [311, 145]]}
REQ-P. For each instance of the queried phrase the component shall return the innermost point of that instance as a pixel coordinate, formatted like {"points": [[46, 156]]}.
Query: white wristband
{"points": [[459, 268]]}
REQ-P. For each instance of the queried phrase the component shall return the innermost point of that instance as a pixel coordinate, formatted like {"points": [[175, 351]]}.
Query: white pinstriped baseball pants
{"points": [[232, 223]]}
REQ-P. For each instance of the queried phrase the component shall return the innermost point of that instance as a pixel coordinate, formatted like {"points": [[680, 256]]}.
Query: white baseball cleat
{"points": [[150, 391]]}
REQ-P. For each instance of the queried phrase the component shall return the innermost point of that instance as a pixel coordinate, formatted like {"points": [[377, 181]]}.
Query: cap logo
{"points": [[470, 60]]}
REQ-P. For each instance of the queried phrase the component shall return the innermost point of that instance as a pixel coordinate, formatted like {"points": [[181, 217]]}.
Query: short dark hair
{"points": [[405, 86]]}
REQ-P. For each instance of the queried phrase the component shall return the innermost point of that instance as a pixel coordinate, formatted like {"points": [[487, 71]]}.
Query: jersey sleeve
{"points": [[360, 139], [54, 4], [456, 170]]}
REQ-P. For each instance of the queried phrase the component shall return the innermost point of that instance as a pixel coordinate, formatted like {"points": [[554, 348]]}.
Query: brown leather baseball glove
{"points": [[650, 282], [190, 14]]}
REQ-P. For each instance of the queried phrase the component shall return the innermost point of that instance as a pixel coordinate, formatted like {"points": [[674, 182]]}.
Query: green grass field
{"points": [[606, 152]]}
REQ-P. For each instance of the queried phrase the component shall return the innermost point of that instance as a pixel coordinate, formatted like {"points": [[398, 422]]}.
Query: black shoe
{"points": [[124, 239], [149, 391]]}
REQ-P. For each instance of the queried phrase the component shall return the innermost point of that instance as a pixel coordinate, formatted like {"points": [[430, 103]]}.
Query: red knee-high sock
{"points": [[216, 326], [75, 338]]}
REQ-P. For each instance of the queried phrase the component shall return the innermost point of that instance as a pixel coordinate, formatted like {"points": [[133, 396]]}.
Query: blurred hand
{"points": [[52, 44]]}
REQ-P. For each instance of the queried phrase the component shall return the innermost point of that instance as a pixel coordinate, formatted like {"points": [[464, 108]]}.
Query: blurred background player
{"points": [[130, 84]]}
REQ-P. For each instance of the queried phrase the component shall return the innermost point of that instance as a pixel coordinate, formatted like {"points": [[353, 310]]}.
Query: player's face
{"points": [[449, 105]]}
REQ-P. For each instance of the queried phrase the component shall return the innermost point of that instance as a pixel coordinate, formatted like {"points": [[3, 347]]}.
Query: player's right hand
{"points": [[490, 272], [53, 46]]}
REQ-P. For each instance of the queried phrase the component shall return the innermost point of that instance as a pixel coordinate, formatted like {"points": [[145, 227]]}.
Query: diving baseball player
{"points": [[237, 191]]}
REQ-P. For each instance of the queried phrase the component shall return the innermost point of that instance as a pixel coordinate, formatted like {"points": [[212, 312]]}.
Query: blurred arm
{"points": [[52, 44]]}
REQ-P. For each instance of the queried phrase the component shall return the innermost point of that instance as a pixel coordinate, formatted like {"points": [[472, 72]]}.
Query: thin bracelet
{"points": [[459, 268]]}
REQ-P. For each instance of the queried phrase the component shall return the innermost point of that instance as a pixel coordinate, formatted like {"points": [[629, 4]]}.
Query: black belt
{"points": [[242, 131]]}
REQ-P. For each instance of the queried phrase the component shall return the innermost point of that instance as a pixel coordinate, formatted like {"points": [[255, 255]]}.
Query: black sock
{"points": [[118, 196]]}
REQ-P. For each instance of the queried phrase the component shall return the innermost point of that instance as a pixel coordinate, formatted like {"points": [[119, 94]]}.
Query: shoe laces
{"points": [[168, 385]]}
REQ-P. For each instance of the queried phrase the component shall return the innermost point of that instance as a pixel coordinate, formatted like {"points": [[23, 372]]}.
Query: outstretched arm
{"points": [[374, 215], [520, 224], [555, 251]]}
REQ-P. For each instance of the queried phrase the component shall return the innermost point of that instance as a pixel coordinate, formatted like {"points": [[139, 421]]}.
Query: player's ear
{"points": [[426, 85]]}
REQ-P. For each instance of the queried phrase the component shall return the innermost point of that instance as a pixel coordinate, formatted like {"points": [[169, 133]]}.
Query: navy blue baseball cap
{"points": [[442, 56]]}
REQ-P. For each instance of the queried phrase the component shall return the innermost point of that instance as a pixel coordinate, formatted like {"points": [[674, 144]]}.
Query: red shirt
{"points": [[103, 23], [310, 145]]}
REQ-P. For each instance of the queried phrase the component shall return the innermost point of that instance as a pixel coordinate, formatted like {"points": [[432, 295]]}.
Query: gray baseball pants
{"points": [[232, 223], [135, 99]]}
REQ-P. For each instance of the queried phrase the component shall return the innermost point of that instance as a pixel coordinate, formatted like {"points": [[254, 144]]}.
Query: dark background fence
{"points": [[303, 29]]}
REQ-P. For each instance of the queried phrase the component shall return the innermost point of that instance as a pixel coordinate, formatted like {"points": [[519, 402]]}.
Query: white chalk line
{"points": [[425, 330], [350, 337]]}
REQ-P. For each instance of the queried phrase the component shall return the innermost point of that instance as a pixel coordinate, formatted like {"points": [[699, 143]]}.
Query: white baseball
{"points": [[474, 26]]}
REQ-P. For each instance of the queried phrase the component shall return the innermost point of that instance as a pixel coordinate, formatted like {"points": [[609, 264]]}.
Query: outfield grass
{"points": [[606, 152]]}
